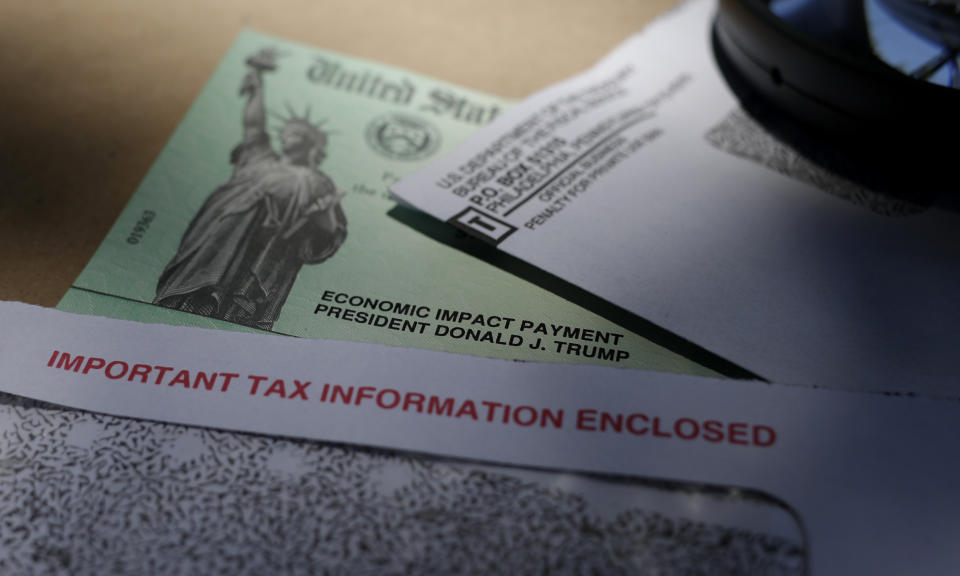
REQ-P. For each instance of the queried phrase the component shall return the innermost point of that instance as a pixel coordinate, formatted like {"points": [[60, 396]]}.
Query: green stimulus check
{"points": [[268, 210]]}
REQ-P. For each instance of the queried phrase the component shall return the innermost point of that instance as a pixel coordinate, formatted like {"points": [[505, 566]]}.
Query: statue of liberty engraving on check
{"points": [[241, 254]]}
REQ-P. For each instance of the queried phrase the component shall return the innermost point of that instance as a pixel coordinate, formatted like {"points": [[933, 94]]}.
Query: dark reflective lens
{"points": [[920, 38]]}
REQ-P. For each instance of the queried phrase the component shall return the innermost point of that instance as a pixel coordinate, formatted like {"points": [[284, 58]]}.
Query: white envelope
{"points": [[869, 480], [641, 181]]}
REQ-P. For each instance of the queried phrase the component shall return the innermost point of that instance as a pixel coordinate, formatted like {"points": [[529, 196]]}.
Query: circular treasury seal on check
{"points": [[402, 137]]}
